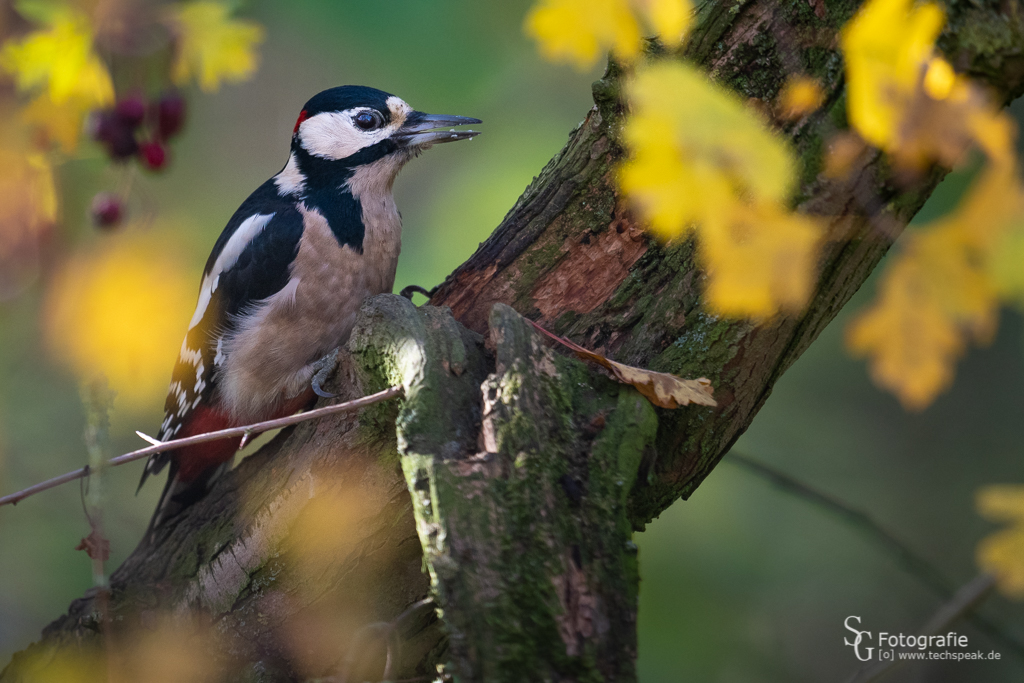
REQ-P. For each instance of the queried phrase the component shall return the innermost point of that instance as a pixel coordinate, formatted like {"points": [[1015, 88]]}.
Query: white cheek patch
{"points": [[240, 239], [333, 135]]}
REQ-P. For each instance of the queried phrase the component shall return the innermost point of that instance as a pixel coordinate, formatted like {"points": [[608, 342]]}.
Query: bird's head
{"points": [[352, 126]]}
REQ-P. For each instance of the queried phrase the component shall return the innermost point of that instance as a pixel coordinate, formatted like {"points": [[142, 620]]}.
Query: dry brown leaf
{"points": [[660, 388], [95, 546]]}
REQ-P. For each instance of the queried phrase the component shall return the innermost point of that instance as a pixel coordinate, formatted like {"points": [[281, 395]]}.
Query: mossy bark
{"points": [[512, 475]]}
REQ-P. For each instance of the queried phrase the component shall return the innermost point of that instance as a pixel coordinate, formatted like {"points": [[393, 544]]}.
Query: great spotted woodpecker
{"points": [[285, 280]]}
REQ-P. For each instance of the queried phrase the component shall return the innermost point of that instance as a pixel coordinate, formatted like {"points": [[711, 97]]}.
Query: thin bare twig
{"points": [[913, 563], [389, 631], [969, 596], [387, 394]]}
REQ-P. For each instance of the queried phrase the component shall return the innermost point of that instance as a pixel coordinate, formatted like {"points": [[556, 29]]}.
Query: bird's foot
{"points": [[322, 371], [408, 291]]}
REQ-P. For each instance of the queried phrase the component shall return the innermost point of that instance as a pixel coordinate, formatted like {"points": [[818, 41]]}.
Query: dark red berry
{"points": [[153, 155], [101, 124], [108, 128], [170, 115], [130, 111], [106, 210]]}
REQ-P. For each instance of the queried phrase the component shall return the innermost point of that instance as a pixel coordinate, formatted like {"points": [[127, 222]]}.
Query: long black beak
{"points": [[419, 129]]}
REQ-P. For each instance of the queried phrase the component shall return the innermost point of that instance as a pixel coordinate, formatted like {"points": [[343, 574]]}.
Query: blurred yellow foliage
{"points": [[175, 649], [59, 123], [669, 19], [801, 95], [701, 159], [121, 310], [328, 530], [1005, 266], [336, 564], [580, 31], [943, 289], [886, 46], [939, 293], [61, 59], [48, 664], [28, 206], [1002, 554], [760, 259], [167, 650], [60, 62], [212, 47]]}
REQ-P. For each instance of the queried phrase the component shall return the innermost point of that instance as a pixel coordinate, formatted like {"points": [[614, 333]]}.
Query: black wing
{"points": [[250, 262]]}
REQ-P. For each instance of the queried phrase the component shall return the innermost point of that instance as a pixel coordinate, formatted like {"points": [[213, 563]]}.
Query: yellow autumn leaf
{"points": [[59, 123], [943, 290], [1002, 503], [686, 125], [800, 96], [1002, 553], [948, 116], [669, 19], [699, 158], [939, 79], [940, 293], [60, 64], [121, 310], [580, 31], [911, 342], [910, 103], [213, 48], [759, 260], [886, 47], [60, 59]]}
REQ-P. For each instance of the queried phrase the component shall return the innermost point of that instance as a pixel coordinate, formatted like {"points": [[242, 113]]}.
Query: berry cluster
{"points": [[136, 128]]}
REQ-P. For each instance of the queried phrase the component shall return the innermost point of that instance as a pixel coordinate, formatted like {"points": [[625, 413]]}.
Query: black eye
{"points": [[368, 120]]}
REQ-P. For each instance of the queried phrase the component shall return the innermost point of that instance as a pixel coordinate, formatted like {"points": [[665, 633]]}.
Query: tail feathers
{"points": [[154, 465], [178, 495]]}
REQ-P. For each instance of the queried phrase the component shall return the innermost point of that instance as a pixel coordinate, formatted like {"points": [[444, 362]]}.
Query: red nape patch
{"points": [[302, 117], [194, 460]]}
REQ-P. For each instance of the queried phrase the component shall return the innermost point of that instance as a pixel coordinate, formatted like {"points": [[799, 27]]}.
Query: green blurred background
{"points": [[740, 583]]}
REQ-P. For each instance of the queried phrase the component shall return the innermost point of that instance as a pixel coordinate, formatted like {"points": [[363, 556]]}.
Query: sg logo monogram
{"points": [[857, 641]]}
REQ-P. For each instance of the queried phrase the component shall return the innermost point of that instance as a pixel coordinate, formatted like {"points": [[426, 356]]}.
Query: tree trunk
{"points": [[509, 480]]}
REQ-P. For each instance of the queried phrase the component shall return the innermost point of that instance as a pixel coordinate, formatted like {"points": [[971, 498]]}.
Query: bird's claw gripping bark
{"points": [[323, 369], [408, 291]]}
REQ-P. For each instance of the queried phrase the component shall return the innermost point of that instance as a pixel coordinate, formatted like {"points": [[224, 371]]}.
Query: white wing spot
{"points": [[239, 240], [189, 356], [219, 358]]}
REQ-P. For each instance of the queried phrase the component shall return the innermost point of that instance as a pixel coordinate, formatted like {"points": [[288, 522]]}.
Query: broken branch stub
{"points": [[522, 512]]}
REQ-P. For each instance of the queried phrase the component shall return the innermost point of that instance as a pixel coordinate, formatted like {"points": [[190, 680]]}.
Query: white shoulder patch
{"points": [[246, 233], [290, 180]]}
